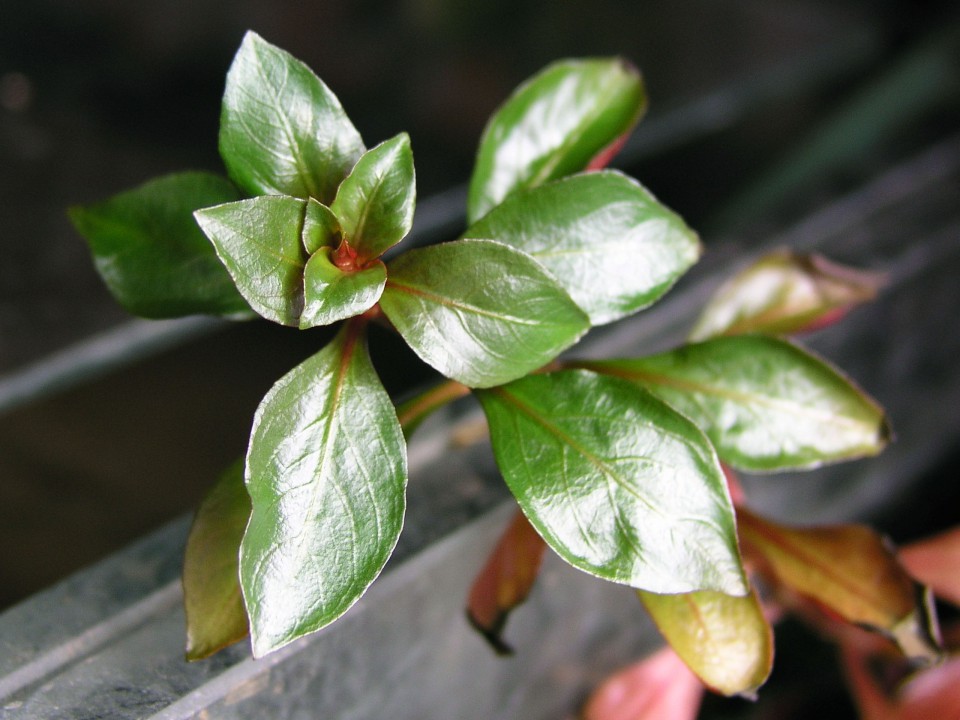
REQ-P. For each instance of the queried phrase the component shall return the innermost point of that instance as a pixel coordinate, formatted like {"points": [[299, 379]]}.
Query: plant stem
{"points": [[414, 411]]}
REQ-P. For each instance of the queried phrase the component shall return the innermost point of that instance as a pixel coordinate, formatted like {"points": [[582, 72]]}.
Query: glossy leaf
{"points": [[554, 125], [375, 203], [935, 562], [602, 236], [848, 570], [658, 688], [725, 640], [765, 404], [214, 607], [330, 294], [326, 472], [321, 229], [260, 242], [282, 131], [785, 292], [505, 581], [150, 252], [617, 483], [479, 311]]}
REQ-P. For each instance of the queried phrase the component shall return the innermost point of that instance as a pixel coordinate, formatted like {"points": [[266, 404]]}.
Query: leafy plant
{"points": [[616, 464]]}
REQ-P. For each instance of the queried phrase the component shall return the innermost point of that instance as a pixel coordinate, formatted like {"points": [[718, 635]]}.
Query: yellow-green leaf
{"points": [[725, 640], [214, 607]]}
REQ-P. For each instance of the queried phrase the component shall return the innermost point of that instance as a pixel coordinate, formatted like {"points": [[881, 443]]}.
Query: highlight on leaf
{"points": [[765, 403], [617, 483], [725, 640], [602, 236], [589, 105], [326, 472], [479, 311], [282, 130], [785, 292]]}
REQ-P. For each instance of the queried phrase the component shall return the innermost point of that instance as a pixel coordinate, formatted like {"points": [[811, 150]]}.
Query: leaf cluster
{"points": [[615, 463]]}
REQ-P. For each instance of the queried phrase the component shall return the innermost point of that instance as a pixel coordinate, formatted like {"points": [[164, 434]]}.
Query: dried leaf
{"points": [[848, 571]]}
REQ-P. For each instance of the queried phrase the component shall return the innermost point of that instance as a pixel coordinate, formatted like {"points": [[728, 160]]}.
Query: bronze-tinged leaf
{"points": [[505, 581], [785, 292], [659, 687], [850, 572], [211, 583], [725, 640]]}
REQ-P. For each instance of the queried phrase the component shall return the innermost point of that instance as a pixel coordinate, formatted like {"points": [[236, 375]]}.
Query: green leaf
{"points": [[765, 404], [852, 572], [725, 640], [479, 311], [326, 472], [331, 294], [554, 125], [375, 203], [782, 293], [152, 255], [321, 229], [260, 242], [617, 483], [211, 583], [602, 236], [282, 131]]}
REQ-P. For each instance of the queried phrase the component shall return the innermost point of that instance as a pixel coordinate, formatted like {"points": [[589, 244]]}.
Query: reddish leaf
{"points": [[849, 572], [875, 679], [505, 581], [936, 563], [659, 687]]}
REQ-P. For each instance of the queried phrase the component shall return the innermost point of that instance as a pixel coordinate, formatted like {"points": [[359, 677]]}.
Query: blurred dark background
{"points": [[760, 112]]}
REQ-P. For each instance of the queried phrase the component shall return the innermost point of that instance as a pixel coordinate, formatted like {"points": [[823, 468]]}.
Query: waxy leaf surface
{"points": [[849, 570], [602, 236], [784, 293], [725, 640], [151, 254], [617, 483], [330, 294], [554, 125], [321, 229], [479, 311], [765, 404], [505, 580], [260, 242], [214, 607], [282, 131], [659, 687], [326, 472], [375, 203]]}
